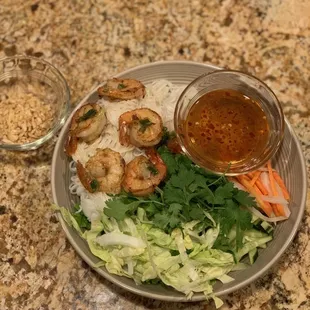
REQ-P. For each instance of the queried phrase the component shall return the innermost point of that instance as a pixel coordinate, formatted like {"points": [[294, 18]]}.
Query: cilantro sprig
{"points": [[144, 124], [190, 193], [152, 169], [94, 185], [80, 217], [121, 86], [89, 114]]}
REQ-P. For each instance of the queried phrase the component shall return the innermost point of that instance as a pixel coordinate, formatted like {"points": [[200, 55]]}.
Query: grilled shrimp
{"points": [[124, 89], [87, 124], [103, 172], [143, 174], [140, 127]]}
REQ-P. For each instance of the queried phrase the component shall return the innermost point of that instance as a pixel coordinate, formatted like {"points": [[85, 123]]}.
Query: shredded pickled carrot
{"points": [[280, 182], [255, 177], [278, 208], [271, 179], [244, 180], [262, 188]]}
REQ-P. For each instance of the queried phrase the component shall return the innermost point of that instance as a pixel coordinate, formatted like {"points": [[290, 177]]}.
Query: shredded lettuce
{"points": [[185, 259], [69, 218], [120, 239]]}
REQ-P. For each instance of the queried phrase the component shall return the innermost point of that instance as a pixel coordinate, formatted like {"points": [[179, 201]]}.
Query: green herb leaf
{"points": [[222, 243], [119, 208], [172, 194], [116, 209], [205, 195], [200, 181], [174, 221], [175, 208], [94, 184], [166, 136], [89, 114], [151, 209], [183, 179], [161, 220], [193, 187], [233, 216], [174, 215], [196, 213], [121, 86], [169, 159], [80, 218], [144, 124], [174, 252], [152, 169], [223, 192], [184, 162], [245, 199], [170, 218]]}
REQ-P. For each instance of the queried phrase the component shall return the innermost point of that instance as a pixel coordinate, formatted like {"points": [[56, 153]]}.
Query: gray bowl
{"points": [[289, 161]]}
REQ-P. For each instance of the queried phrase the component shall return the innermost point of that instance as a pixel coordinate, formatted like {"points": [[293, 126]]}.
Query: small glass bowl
{"points": [[247, 85], [34, 102]]}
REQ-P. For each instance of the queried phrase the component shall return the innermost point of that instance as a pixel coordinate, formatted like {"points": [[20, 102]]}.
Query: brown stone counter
{"points": [[89, 41]]}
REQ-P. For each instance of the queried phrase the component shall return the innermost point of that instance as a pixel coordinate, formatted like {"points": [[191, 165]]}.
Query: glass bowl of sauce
{"points": [[229, 122]]}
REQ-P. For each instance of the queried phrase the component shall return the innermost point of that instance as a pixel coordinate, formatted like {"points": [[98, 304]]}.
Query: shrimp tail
{"points": [[174, 146], [124, 138], [153, 156], [85, 178], [71, 144], [156, 160]]}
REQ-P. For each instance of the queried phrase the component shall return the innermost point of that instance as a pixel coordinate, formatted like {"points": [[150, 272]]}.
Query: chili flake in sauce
{"points": [[226, 126]]}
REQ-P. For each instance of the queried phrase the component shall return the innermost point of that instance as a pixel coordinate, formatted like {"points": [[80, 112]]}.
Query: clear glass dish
{"points": [[247, 85], [34, 102]]}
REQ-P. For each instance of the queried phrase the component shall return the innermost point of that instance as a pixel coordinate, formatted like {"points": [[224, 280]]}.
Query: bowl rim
{"points": [[135, 289], [274, 148], [60, 122]]}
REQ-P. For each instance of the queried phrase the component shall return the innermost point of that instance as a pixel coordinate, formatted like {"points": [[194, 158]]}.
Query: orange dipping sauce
{"points": [[225, 126]]}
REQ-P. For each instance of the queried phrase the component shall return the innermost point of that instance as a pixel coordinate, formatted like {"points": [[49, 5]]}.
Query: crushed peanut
{"points": [[24, 117]]}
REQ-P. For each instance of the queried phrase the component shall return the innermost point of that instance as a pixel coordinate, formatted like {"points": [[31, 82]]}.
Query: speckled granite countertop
{"points": [[91, 40]]}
